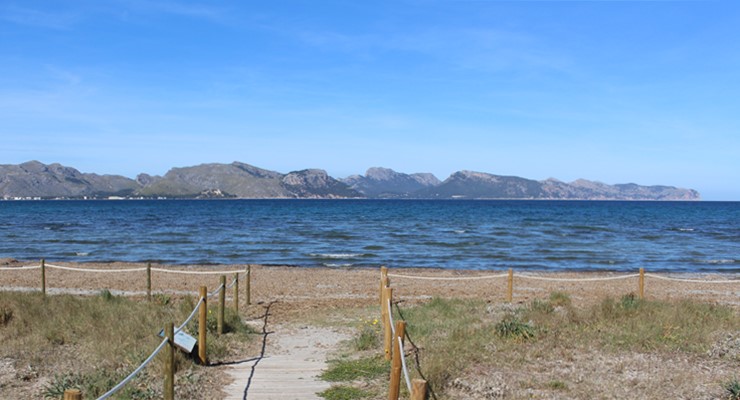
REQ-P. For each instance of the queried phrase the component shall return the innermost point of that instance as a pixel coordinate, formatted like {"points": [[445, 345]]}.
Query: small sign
{"points": [[182, 340]]}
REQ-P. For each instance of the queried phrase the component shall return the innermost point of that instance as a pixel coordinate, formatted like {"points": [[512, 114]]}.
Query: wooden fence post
{"points": [[43, 277], [221, 306], [202, 325], [396, 364], [169, 363], [388, 332], [149, 281], [72, 394], [641, 285], [383, 307], [383, 277], [418, 389], [249, 284], [510, 289], [236, 292]]}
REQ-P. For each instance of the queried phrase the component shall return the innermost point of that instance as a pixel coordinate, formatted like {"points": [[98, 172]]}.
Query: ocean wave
{"points": [[331, 265], [337, 255], [721, 261]]}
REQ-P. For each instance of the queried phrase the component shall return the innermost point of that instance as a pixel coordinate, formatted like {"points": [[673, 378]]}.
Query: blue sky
{"points": [[615, 91]]}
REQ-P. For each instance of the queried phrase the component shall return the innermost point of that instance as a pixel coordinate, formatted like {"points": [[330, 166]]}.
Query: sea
{"points": [[693, 237]]}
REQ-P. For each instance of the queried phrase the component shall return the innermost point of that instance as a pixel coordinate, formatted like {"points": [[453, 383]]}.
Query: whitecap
{"points": [[336, 255], [330, 265], [721, 261], [81, 254]]}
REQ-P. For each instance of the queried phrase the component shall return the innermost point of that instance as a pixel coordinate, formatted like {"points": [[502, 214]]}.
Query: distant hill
{"points": [[480, 185], [34, 179], [387, 183]]}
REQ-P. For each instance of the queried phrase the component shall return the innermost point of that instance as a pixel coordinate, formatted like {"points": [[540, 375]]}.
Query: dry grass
{"points": [[92, 343], [620, 348]]}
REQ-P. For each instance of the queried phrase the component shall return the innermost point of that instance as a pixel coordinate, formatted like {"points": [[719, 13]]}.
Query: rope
{"points": [[665, 278], [215, 292], [179, 271], [20, 268], [403, 364], [136, 371], [170, 271], [192, 314], [95, 270], [154, 353], [542, 278], [461, 278], [233, 282]]}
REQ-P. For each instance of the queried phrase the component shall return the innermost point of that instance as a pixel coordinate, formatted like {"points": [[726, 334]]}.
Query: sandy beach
{"points": [[359, 286]]}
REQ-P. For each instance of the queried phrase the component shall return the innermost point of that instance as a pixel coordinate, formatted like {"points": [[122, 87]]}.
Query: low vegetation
{"points": [[549, 348], [91, 343]]}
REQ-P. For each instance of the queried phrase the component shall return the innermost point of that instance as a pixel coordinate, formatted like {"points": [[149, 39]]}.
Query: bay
{"points": [[457, 234]]}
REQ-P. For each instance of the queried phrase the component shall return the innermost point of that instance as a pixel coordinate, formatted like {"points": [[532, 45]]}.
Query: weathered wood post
{"points": [[383, 277], [418, 389], [202, 325], [169, 363], [43, 277], [149, 281], [510, 289], [248, 285], [72, 394], [221, 306], [396, 364], [236, 292], [641, 284], [383, 308], [388, 331]]}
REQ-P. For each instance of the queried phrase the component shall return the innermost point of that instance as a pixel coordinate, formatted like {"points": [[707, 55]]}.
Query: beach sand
{"points": [[359, 286]]}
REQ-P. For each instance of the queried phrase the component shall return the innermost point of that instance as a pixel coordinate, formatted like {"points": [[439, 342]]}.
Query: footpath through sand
{"points": [[288, 367]]}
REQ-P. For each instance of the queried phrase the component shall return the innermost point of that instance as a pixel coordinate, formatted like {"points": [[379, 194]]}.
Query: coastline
{"points": [[358, 286]]}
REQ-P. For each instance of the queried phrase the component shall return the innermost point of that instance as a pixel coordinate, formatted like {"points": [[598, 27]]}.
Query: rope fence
{"points": [[138, 369], [20, 268], [394, 349], [111, 270], [246, 273], [511, 275], [441, 278], [168, 343], [666, 278]]}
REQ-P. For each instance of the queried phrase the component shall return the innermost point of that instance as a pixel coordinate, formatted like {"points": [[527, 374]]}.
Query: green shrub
{"points": [[344, 393], [346, 370], [511, 327], [732, 389]]}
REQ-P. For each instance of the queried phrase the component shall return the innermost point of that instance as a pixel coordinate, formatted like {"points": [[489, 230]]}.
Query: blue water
{"points": [[539, 235]]}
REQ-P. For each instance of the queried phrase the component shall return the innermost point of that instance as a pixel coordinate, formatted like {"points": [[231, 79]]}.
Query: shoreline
{"points": [[337, 285]]}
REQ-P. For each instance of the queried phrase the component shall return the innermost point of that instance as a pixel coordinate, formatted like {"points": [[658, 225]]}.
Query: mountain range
{"points": [[36, 180]]}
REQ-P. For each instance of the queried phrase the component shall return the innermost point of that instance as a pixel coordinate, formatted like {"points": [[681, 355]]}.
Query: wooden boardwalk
{"points": [[293, 359]]}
